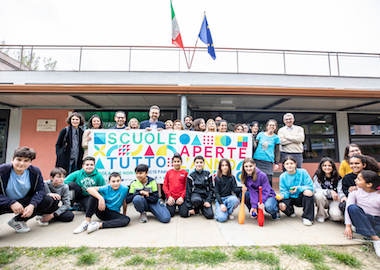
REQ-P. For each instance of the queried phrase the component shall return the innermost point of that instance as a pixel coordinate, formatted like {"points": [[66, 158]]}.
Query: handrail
{"points": [[240, 60]]}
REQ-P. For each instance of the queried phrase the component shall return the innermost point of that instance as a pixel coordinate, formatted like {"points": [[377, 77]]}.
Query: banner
{"points": [[122, 150]]}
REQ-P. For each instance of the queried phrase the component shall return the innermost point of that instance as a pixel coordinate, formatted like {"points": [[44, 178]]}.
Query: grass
{"points": [[135, 260], [8, 255], [345, 258], [122, 252], [88, 258], [305, 252], [261, 256], [80, 250], [194, 256], [56, 251]]}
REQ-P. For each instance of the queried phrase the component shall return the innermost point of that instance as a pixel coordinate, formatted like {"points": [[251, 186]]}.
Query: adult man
{"points": [[188, 122], [153, 122], [291, 137], [120, 118]]}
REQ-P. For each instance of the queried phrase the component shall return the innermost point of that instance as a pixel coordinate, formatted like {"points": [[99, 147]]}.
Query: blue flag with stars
{"points": [[205, 36]]}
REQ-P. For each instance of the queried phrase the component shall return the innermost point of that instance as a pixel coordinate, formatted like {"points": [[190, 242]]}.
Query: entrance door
{"points": [[4, 119]]}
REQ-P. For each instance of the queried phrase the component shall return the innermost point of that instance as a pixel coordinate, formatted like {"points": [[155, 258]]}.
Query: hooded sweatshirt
{"points": [[63, 191], [84, 180]]}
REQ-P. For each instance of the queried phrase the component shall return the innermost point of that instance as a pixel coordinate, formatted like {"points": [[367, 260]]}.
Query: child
{"points": [[296, 188], [199, 190], [326, 195], [59, 191], [80, 181], [106, 202], [358, 163], [175, 188], [363, 208], [225, 183], [253, 178], [143, 193], [22, 189]]}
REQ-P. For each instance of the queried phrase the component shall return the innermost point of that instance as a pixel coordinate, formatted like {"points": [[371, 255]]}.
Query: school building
{"points": [[334, 96]]}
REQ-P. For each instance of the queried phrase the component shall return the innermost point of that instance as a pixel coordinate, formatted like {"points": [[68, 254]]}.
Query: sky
{"points": [[333, 25]]}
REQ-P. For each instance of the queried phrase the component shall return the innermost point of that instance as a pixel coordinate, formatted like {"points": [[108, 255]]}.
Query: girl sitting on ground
{"points": [[363, 208], [296, 188], [326, 196], [225, 183], [358, 163], [253, 178]]}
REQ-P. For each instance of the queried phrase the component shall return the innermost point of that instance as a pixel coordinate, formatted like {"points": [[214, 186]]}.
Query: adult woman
{"points": [[68, 148], [326, 195], [238, 128], [351, 150], [255, 128], [268, 150], [210, 125], [169, 124], [177, 125], [95, 122], [199, 124], [222, 127], [133, 124]]}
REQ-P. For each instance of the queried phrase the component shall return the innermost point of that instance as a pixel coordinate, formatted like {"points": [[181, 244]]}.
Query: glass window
{"points": [[365, 132], [320, 132]]}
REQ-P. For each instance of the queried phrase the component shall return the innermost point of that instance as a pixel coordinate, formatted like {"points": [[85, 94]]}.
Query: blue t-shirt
{"points": [[265, 149], [18, 185], [114, 198]]}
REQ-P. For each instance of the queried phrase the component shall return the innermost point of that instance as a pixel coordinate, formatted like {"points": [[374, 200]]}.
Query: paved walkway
{"points": [[195, 231]]}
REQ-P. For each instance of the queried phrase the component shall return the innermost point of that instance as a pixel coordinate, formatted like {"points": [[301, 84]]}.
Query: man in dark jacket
{"points": [[153, 122], [22, 189]]}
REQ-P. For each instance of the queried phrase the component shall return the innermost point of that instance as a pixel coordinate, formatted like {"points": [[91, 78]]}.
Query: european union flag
{"points": [[205, 36]]}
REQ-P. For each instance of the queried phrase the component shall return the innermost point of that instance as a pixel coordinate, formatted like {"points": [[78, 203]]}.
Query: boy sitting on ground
{"points": [[59, 191], [106, 202], [200, 190], [80, 181], [143, 193], [22, 189]]}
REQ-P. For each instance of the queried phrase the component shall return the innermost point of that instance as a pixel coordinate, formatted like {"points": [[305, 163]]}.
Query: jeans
{"points": [[231, 202], [158, 210], [271, 207], [365, 224]]}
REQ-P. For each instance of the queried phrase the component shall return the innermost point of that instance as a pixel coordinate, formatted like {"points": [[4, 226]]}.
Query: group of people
{"points": [[350, 194]]}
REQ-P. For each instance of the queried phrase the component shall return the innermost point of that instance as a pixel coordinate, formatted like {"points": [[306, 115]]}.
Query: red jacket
{"points": [[175, 184]]}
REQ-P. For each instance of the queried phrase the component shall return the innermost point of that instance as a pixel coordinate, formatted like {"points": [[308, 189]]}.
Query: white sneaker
{"points": [[293, 215], [307, 222], [82, 227], [38, 217], [94, 226], [321, 220], [376, 245], [19, 226], [42, 224], [231, 216]]}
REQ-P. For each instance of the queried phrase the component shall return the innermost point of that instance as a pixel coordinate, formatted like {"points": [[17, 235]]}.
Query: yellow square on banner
{"points": [[218, 140], [240, 138]]}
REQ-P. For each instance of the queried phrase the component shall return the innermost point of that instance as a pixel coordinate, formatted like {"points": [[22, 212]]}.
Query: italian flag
{"points": [[176, 34]]}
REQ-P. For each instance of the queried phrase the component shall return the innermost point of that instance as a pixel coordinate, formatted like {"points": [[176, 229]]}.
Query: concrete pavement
{"points": [[195, 231]]}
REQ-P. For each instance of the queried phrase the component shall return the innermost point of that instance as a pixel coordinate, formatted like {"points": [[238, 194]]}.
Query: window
{"points": [[365, 132]]}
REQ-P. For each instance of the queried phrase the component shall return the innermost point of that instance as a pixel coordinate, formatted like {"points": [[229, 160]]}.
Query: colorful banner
{"points": [[122, 150]]}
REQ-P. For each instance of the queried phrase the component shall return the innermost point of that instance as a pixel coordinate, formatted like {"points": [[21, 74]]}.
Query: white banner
{"points": [[122, 150]]}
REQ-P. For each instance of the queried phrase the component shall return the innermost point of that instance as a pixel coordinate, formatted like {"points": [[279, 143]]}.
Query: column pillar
{"points": [[343, 132], [183, 108]]}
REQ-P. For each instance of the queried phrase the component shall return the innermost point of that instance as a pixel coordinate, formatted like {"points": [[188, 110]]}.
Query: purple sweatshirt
{"points": [[253, 188]]}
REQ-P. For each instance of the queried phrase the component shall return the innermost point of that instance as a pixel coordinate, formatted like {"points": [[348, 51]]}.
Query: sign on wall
{"points": [[122, 150]]}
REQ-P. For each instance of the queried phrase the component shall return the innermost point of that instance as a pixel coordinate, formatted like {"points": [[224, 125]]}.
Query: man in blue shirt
{"points": [[153, 123], [23, 189]]}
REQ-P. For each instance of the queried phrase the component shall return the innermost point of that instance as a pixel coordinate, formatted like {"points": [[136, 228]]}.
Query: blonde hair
{"points": [[209, 121]]}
